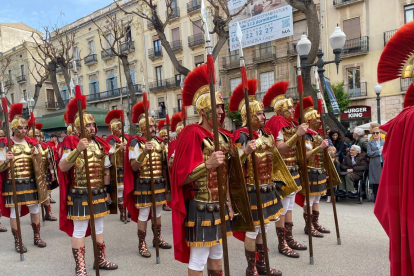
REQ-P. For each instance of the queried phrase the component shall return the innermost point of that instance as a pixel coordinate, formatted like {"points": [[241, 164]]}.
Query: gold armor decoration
{"points": [[163, 132], [255, 106], [18, 121], [142, 124], [316, 160], [201, 101], [281, 106], [178, 128], [37, 133], [40, 165], [264, 158], [408, 69], [2, 133], [281, 173], [290, 158], [23, 154], [157, 161], [331, 172], [96, 160], [69, 129]]}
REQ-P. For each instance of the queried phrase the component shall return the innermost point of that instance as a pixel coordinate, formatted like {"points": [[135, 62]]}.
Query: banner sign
{"points": [[356, 112], [234, 4], [264, 27], [331, 96]]}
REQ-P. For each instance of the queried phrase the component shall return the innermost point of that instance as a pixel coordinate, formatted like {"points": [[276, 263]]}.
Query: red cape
{"points": [[127, 137], [65, 224], [276, 123], [5, 210], [396, 192], [188, 155], [54, 148]]}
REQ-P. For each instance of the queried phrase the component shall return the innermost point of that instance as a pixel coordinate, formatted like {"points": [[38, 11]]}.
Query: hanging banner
{"points": [[234, 4], [331, 95], [263, 27]]}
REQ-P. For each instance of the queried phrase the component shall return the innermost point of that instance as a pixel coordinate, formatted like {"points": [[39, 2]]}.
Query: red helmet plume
{"points": [[194, 80], [238, 94], [161, 124], [138, 110], [39, 126], [275, 90], [14, 110], [307, 102], [409, 96], [114, 114], [31, 121], [175, 119]]}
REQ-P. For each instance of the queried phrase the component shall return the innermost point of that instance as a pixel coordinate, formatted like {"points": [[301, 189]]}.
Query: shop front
{"points": [[355, 115]]}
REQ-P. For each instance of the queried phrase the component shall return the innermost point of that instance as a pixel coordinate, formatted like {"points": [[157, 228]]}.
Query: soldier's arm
{"points": [[4, 160], [68, 159], [138, 155]]}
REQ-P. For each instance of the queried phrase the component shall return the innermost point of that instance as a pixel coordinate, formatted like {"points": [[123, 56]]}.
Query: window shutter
{"points": [[132, 73], [115, 82], [197, 27], [352, 28], [299, 28], [175, 34]]}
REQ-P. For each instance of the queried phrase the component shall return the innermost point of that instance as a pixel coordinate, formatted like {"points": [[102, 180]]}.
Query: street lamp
{"points": [[378, 89], [25, 109]]}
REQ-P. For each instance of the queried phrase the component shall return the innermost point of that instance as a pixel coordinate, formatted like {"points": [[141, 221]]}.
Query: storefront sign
{"points": [[356, 113]]}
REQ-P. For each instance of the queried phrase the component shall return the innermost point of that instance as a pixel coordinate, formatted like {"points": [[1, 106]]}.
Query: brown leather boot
{"points": [[2, 228], [251, 263], [315, 222], [16, 242], [51, 199], [283, 247], [36, 232], [315, 233], [104, 263], [142, 246], [49, 216], [214, 272], [79, 255], [294, 244], [161, 243], [261, 263], [122, 211]]}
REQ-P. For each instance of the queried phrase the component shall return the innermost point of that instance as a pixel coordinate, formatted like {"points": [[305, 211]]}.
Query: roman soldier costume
{"points": [[117, 144], [2, 228], [138, 180], [283, 127], [176, 126], [29, 178], [74, 212], [163, 134]]}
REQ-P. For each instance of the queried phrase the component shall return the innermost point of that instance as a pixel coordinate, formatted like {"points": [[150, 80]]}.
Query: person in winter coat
{"points": [[352, 169], [374, 152]]}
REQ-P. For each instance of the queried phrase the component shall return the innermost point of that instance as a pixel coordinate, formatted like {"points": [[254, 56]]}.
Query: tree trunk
{"points": [[53, 80], [38, 86], [66, 75], [130, 85]]}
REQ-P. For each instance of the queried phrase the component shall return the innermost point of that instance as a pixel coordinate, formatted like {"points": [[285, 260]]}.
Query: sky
{"points": [[52, 13]]}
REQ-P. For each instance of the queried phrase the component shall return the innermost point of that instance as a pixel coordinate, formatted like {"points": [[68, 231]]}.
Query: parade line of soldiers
{"points": [[137, 175]]}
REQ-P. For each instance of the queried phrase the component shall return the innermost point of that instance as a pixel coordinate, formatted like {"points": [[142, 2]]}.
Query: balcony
{"points": [[176, 46], [175, 14], [78, 64], [115, 93], [177, 109], [291, 48], [355, 47], [8, 83], [359, 89], [193, 6], [127, 47], [230, 62], [196, 40], [405, 83], [264, 54], [51, 105], [388, 35], [107, 54], [154, 53], [91, 59], [342, 3], [21, 78], [161, 85]]}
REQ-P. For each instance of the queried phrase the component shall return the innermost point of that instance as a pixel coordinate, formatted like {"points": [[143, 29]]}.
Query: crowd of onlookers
{"points": [[355, 154]]}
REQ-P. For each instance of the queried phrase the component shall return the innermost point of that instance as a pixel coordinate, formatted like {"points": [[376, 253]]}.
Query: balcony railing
{"points": [[356, 90], [177, 109], [196, 40], [127, 47], [232, 61], [264, 54], [405, 83], [193, 6], [107, 53], [154, 53], [388, 35], [91, 59], [176, 46], [113, 93], [341, 3], [174, 14], [356, 46], [165, 84], [21, 78], [78, 64], [291, 48], [51, 105]]}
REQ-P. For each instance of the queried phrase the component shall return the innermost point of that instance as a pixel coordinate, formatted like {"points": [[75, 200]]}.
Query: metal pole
{"points": [[378, 109]]}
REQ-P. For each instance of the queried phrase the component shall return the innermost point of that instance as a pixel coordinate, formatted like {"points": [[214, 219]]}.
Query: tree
{"points": [[341, 96], [234, 116], [147, 10]]}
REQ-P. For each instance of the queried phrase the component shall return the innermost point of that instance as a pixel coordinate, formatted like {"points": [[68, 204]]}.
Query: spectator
{"points": [[371, 127], [358, 136], [159, 111], [333, 154], [375, 159], [104, 137], [365, 136], [339, 144], [349, 141], [352, 169]]}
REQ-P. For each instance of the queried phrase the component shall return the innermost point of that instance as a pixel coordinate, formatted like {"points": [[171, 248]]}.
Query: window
{"points": [[64, 93], [91, 47], [199, 60], [409, 13], [76, 53], [24, 94], [265, 48], [161, 108], [354, 81], [157, 46], [158, 75], [50, 97], [128, 33], [114, 107], [299, 27], [179, 103], [12, 98], [177, 75], [132, 73], [109, 39], [93, 87], [10, 75], [175, 34], [352, 28], [266, 80], [197, 27], [21, 70], [111, 83], [234, 82]]}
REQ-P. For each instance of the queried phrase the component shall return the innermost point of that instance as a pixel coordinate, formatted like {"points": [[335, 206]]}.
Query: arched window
{"points": [[111, 83], [64, 93]]}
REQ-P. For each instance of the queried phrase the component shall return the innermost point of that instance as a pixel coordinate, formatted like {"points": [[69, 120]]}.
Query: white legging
{"points": [[80, 227], [313, 199], [199, 256], [120, 191], [257, 230], [33, 209], [145, 211], [288, 203]]}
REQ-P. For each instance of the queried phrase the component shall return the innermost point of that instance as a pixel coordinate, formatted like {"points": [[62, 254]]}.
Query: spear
{"points": [[88, 180], [183, 108], [210, 68], [16, 203], [304, 173], [122, 143], [239, 35], [330, 185], [149, 139]]}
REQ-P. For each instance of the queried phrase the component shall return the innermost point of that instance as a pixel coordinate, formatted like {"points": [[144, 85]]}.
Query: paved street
{"points": [[364, 249]]}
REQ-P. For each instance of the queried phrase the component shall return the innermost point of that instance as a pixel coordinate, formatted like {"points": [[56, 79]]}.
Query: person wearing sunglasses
{"points": [[374, 152]]}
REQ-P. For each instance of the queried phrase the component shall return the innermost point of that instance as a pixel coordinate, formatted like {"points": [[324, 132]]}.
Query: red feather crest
{"points": [[114, 114], [175, 119], [397, 51], [167, 120], [275, 90], [161, 124], [238, 94], [31, 122], [137, 110], [307, 102], [409, 96], [71, 111], [39, 126], [320, 107], [194, 80], [15, 109], [184, 113], [4, 103]]}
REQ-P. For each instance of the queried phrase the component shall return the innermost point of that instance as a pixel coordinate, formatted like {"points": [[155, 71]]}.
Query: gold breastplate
{"points": [[316, 160], [23, 161], [44, 154], [156, 158], [264, 159], [290, 157], [207, 185], [119, 154], [96, 165]]}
